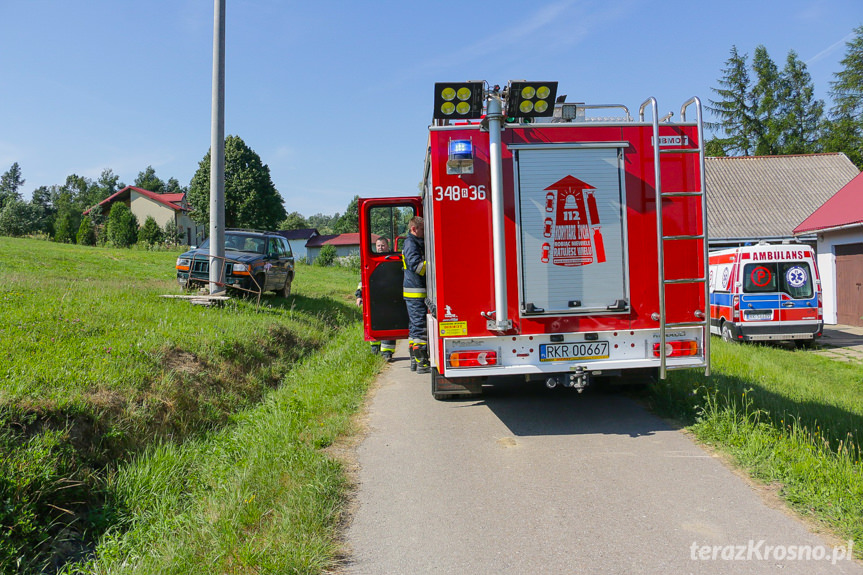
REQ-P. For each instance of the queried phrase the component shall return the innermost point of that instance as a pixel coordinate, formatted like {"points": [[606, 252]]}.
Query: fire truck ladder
{"points": [[703, 316]]}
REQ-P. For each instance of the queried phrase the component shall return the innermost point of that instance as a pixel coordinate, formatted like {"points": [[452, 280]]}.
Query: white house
{"points": [[298, 240], [345, 244], [838, 225]]}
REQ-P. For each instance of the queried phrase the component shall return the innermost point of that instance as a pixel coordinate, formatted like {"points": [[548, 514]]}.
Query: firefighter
{"points": [[387, 347], [414, 291]]}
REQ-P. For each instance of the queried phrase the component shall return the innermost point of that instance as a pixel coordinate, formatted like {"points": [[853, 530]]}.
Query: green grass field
{"points": [[124, 416], [792, 419], [142, 434]]}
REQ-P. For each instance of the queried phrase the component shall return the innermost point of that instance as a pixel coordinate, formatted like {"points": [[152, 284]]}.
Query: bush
{"points": [[150, 233], [122, 227], [86, 233], [19, 218], [327, 256], [351, 261], [172, 233], [66, 225]]}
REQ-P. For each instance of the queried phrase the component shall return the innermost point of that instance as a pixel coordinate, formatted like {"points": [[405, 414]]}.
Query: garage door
{"points": [[849, 284]]}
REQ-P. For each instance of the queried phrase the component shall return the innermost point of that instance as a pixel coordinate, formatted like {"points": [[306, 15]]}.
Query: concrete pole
{"points": [[217, 154]]}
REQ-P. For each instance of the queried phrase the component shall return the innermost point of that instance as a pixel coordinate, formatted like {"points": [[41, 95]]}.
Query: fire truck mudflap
{"points": [[561, 247]]}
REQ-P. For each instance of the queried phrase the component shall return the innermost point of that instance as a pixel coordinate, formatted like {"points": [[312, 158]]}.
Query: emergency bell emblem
{"points": [[577, 233]]}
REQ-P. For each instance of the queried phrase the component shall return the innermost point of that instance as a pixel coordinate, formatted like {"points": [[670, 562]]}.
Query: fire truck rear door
{"points": [[384, 311], [572, 230]]}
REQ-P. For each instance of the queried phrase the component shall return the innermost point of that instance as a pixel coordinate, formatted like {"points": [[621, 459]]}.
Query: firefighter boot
{"points": [[376, 347], [422, 359], [413, 357]]}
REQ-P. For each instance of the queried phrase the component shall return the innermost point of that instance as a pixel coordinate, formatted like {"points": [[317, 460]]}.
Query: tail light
{"points": [[820, 307], [677, 348], [735, 308], [473, 358]]}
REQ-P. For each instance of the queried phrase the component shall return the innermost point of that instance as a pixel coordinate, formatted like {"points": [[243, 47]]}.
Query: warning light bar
{"points": [[461, 100], [473, 358], [530, 99], [677, 348]]}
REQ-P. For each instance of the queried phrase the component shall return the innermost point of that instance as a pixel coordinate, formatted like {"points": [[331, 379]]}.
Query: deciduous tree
{"points": [[350, 220], [251, 199], [294, 221], [19, 218], [147, 180]]}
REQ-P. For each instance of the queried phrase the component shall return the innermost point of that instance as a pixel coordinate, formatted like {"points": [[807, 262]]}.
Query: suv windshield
{"points": [[241, 243], [793, 278]]}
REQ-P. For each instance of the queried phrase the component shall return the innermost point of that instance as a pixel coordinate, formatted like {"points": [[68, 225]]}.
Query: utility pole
{"points": [[217, 155]]}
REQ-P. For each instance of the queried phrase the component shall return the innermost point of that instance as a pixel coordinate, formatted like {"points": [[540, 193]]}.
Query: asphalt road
{"points": [[530, 480]]}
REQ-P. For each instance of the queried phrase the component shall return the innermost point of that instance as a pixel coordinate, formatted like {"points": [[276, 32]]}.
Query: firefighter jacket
{"points": [[414, 262]]}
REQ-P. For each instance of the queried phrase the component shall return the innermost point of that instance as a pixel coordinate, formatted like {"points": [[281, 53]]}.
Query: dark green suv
{"points": [[253, 261]]}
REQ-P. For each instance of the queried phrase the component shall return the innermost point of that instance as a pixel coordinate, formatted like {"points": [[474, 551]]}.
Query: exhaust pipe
{"points": [[551, 382]]}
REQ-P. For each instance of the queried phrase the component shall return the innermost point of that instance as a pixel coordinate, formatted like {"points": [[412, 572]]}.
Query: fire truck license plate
{"points": [[572, 351]]}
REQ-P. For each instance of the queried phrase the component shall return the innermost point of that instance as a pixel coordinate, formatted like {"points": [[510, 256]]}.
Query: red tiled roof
{"points": [[170, 200], [844, 208], [352, 239]]}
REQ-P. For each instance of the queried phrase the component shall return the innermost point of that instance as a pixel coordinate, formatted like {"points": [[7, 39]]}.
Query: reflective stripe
{"points": [[418, 342], [376, 344], [414, 292], [387, 348], [421, 269]]}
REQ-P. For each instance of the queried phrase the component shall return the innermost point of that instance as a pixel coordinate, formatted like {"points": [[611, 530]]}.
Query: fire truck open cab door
{"points": [[383, 229]]}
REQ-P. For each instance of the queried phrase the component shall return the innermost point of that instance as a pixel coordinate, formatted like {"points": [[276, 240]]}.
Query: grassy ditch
{"points": [[102, 379], [790, 418]]}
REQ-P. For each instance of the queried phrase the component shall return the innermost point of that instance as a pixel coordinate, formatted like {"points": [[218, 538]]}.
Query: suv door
{"points": [[384, 311], [276, 263]]}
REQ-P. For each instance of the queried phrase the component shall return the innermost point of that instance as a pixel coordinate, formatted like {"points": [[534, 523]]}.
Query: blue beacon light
{"points": [[460, 150]]}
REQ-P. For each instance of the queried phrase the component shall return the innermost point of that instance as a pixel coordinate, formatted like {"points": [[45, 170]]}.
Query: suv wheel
{"points": [[262, 280], [286, 291]]}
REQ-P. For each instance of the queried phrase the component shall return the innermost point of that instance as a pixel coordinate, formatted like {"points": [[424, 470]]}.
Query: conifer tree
{"points": [[734, 108]]}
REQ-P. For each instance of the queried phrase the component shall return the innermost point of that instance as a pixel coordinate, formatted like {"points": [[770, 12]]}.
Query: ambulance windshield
{"points": [[792, 278]]}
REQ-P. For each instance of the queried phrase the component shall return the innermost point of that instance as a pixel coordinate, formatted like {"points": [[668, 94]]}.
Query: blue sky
{"points": [[336, 96]]}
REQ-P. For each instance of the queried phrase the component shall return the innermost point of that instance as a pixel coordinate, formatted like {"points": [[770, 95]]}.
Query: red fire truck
{"points": [[561, 245]]}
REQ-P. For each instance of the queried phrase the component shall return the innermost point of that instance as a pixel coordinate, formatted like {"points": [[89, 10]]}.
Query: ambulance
{"points": [[564, 241], [766, 292]]}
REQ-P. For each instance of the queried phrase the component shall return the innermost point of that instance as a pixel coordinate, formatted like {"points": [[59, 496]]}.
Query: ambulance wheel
{"points": [[726, 333]]}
